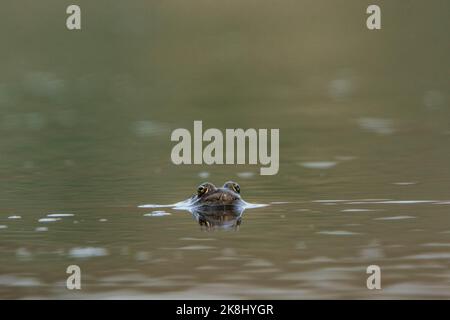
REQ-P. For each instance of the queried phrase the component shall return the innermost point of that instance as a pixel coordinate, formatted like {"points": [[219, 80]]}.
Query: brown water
{"points": [[85, 123]]}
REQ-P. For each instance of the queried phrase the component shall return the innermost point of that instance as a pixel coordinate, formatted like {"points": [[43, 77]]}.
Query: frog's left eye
{"points": [[202, 190], [236, 188]]}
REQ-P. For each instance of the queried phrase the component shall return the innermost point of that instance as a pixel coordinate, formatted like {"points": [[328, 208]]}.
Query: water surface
{"points": [[85, 123]]}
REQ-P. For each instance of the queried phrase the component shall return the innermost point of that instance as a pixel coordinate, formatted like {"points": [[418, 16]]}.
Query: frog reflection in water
{"points": [[217, 207]]}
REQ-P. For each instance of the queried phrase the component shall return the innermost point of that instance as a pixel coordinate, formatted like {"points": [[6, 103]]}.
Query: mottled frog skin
{"points": [[210, 196]]}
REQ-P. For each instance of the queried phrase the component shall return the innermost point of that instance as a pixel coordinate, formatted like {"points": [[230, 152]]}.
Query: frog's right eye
{"points": [[202, 190]]}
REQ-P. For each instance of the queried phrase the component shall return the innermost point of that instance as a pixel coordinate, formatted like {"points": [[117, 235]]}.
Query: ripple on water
{"points": [[406, 183], [15, 281], [2, 226], [338, 233], [23, 254], [49, 219], [377, 125], [404, 201], [87, 252], [246, 174], [197, 239], [203, 174], [14, 217], [151, 205], [428, 256], [259, 263], [158, 213], [318, 164], [435, 244], [196, 247], [395, 218], [60, 215]]}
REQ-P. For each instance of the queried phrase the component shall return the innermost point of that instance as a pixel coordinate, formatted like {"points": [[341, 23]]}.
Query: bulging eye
{"points": [[202, 190], [236, 188]]}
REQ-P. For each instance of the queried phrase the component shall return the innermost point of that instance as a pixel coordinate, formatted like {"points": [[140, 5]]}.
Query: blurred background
{"points": [[85, 123]]}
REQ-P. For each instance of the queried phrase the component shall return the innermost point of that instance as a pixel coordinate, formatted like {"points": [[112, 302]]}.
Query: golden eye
{"points": [[202, 190]]}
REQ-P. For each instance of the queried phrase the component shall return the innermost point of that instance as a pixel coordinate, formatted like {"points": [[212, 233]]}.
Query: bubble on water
{"points": [[14, 217], [318, 164], [87, 252], [203, 174], [41, 229], [158, 213], [49, 219], [377, 125]]}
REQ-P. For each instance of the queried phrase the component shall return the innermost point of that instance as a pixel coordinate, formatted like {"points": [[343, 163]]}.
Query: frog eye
{"points": [[236, 188], [202, 190]]}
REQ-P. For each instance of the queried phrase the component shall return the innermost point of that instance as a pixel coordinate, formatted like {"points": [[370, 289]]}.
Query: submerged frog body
{"points": [[212, 218], [209, 195]]}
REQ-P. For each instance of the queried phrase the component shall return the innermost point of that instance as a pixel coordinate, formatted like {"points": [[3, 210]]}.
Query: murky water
{"points": [[85, 123]]}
